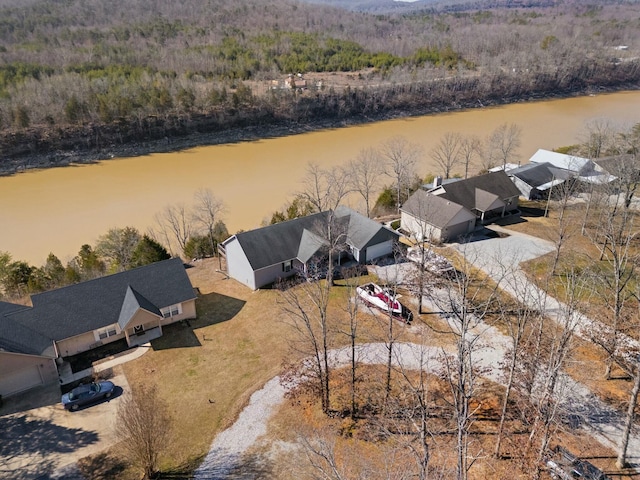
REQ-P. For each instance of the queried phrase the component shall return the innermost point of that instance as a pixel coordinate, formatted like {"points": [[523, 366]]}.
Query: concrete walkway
{"points": [[67, 376]]}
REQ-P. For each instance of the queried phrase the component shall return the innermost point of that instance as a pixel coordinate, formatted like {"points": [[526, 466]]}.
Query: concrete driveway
{"points": [[45, 442]]}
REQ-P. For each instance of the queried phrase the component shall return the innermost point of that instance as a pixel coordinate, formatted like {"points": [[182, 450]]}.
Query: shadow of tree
{"points": [[212, 309], [26, 442], [34, 398], [102, 466]]}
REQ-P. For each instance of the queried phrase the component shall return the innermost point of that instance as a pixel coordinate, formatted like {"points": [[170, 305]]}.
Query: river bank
{"points": [[75, 148]]}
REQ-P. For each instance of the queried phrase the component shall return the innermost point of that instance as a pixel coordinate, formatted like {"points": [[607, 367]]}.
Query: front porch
{"points": [[141, 335]]}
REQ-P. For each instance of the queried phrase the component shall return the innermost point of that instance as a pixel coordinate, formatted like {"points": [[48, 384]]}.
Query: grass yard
{"points": [[207, 371]]}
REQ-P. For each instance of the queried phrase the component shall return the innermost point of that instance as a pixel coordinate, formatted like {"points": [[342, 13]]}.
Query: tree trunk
{"points": [[621, 461]]}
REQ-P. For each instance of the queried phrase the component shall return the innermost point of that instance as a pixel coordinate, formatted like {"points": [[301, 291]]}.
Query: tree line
{"points": [[74, 79], [191, 232]]}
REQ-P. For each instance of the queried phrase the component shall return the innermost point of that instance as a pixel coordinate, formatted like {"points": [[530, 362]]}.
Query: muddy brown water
{"points": [[57, 210]]}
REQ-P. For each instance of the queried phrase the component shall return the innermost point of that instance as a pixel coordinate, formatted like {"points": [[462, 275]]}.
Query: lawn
{"points": [[206, 371]]}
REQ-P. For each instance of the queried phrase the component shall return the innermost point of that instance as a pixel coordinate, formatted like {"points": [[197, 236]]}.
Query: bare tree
{"points": [[551, 388], [401, 158], [143, 428], [174, 225], [465, 304], [207, 212], [324, 189], [502, 144], [413, 411], [566, 226], [470, 149], [447, 152], [621, 460], [516, 316], [308, 304], [365, 173], [351, 332], [597, 138]]}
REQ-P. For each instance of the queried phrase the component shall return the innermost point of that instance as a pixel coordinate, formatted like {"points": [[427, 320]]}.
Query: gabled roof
{"points": [[87, 306], [276, 243], [560, 160], [465, 192], [6, 308], [362, 231], [433, 209], [133, 302], [540, 175], [302, 237]]}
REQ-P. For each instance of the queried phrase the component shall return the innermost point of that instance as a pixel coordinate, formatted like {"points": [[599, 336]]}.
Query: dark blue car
{"points": [[85, 394]]}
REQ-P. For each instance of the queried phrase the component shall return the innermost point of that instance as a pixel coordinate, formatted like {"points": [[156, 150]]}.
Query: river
{"points": [[59, 209]]}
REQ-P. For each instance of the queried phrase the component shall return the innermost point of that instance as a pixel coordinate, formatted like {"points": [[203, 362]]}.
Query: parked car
{"points": [[86, 394]]}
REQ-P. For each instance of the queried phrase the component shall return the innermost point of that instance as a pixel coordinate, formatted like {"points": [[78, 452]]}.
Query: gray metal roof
{"points": [[87, 306]]}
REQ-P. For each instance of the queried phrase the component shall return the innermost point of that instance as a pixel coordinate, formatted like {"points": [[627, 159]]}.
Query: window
{"points": [[171, 311], [286, 266], [109, 331]]}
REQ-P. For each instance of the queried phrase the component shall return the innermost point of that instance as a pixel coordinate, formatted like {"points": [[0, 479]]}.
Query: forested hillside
{"points": [[78, 75]]}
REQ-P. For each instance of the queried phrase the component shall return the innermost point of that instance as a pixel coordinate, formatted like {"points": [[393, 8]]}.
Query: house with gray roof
{"points": [[133, 305], [435, 219], [453, 209], [263, 256], [535, 180], [487, 196]]}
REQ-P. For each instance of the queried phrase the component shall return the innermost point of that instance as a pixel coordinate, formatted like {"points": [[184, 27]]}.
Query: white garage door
{"points": [[379, 250], [23, 379]]}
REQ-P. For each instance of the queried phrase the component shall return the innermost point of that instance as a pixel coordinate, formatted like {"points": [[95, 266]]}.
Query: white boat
{"points": [[383, 299]]}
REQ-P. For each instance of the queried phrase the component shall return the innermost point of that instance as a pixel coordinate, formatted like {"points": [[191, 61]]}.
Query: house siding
{"points": [[269, 275], [188, 311], [82, 343], [12, 363], [421, 230], [238, 265]]}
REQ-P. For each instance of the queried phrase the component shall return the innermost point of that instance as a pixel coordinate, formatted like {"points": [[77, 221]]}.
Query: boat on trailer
{"points": [[385, 300]]}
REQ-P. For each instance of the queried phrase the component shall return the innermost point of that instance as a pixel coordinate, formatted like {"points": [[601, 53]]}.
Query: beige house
{"points": [[132, 305]]}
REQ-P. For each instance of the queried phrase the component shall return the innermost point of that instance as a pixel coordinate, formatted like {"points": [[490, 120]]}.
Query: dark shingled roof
{"points": [[433, 209], [463, 192], [536, 174], [87, 306], [277, 243], [133, 301], [301, 238], [18, 338]]}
